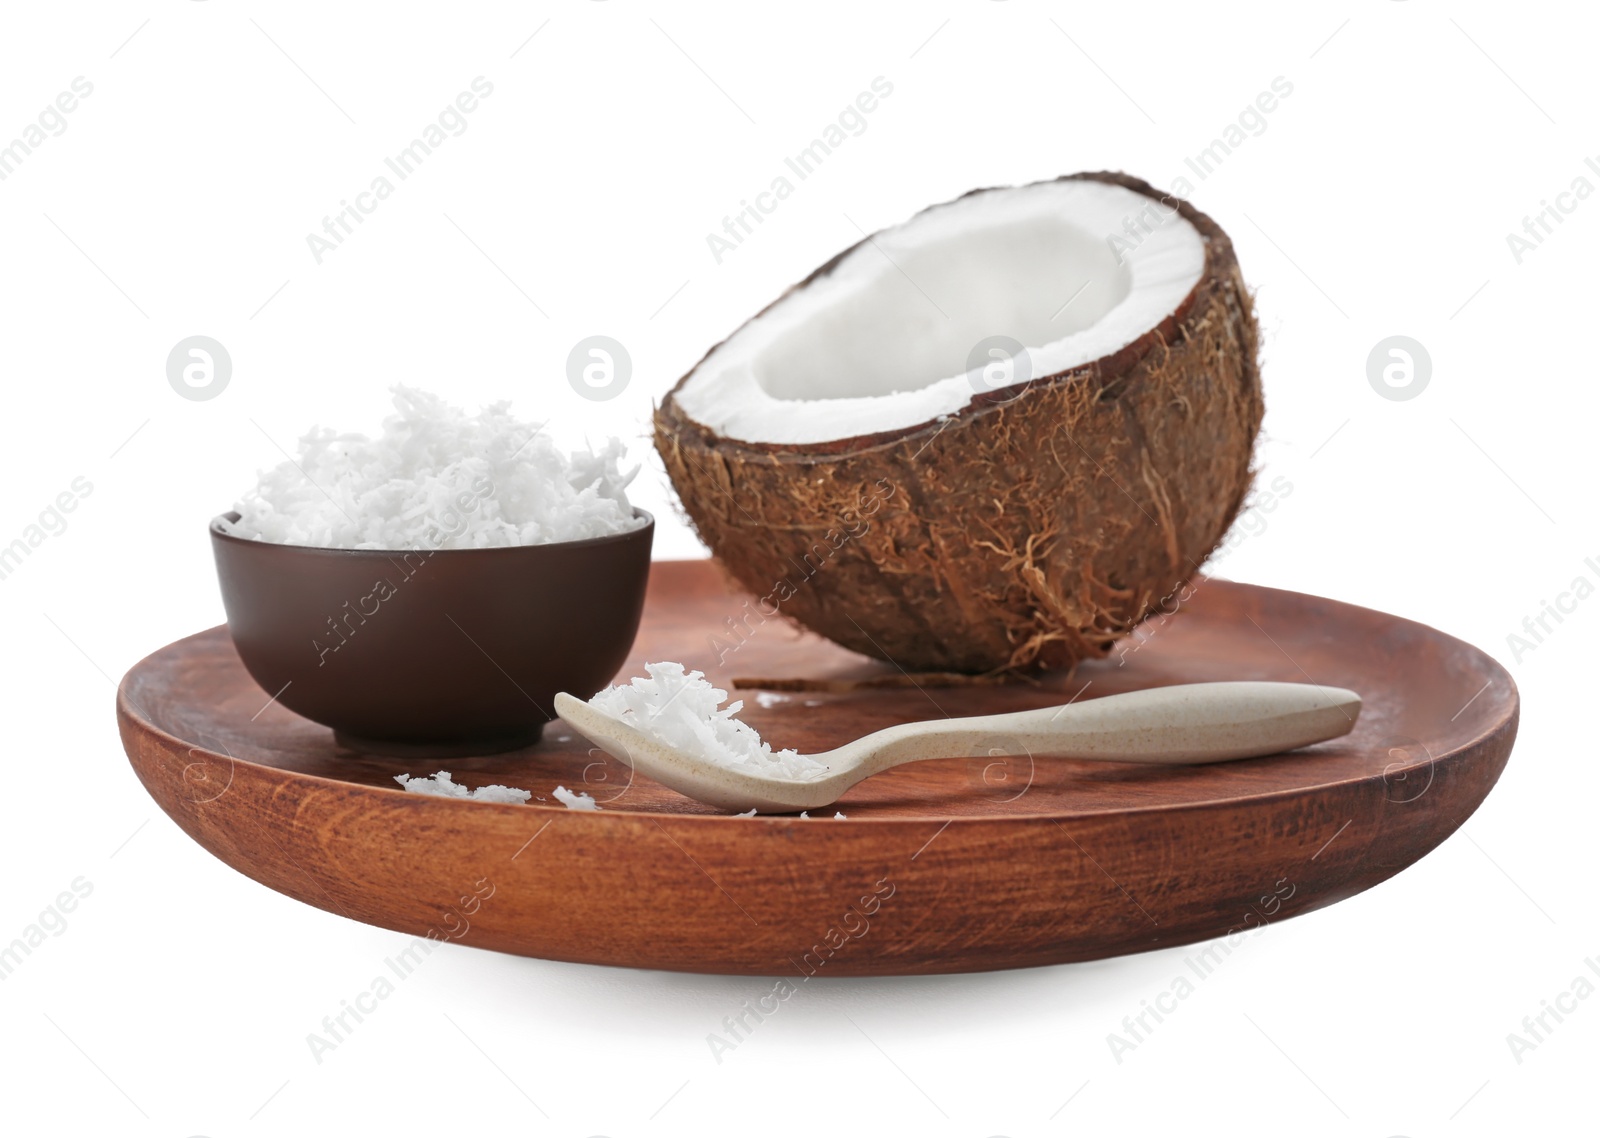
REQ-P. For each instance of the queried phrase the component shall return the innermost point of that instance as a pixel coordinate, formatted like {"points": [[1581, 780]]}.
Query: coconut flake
{"points": [[574, 801], [440, 785], [683, 710], [437, 478]]}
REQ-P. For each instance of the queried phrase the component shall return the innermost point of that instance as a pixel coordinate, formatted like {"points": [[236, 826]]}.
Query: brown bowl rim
{"points": [[580, 543]]}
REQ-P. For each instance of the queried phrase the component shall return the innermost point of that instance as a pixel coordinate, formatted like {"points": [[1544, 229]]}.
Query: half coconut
{"points": [[996, 436]]}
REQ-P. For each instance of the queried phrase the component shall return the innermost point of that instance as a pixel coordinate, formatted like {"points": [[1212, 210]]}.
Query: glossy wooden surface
{"points": [[939, 866]]}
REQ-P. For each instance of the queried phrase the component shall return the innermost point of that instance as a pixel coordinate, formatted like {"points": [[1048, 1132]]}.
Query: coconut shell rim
{"points": [[1219, 256]]}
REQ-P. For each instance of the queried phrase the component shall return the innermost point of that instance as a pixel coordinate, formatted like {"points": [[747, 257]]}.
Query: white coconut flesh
{"points": [[884, 341]]}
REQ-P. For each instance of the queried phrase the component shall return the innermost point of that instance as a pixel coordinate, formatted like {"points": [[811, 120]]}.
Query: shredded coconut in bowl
{"points": [[683, 710], [438, 478]]}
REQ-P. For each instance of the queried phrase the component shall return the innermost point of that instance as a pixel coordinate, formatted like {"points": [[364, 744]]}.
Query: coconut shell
{"points": [[1027, 531]]}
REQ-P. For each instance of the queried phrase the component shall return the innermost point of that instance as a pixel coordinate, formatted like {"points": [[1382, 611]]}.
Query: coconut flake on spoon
{"points": [[682, 710]]}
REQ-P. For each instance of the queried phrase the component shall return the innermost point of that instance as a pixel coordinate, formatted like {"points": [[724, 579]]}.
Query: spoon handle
{"points": [[1185, 723]]}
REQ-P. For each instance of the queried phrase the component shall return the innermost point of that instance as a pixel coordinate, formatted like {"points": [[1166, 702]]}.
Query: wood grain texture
{"points": [[942, 866]]}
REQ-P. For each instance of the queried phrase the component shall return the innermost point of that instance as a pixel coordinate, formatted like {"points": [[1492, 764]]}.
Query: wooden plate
{"points": [[944, 866]]}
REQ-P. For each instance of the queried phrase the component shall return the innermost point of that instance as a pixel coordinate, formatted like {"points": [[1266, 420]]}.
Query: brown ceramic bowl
{"points": [[433, 653]]}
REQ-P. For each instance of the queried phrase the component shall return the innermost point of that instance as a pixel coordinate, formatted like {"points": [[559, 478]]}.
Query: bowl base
{"points": [[405, 749]]}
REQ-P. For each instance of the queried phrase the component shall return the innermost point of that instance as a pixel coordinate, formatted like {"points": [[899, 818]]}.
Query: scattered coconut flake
{"points": [[750, 813], [838, 815], [575, 801], [683, 710], [437, 478], [771, 698], [803, 814], [440, 786]]}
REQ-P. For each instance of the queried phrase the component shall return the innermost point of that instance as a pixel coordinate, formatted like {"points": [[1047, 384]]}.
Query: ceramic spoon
{"points": [[1187, 723]]}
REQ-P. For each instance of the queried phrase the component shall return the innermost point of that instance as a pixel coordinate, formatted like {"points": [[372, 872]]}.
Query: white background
{"points": [[1376, 202]]}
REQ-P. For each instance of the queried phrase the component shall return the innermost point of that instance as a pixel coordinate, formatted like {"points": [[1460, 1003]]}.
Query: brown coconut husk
{"points": [[1024, 532]]}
